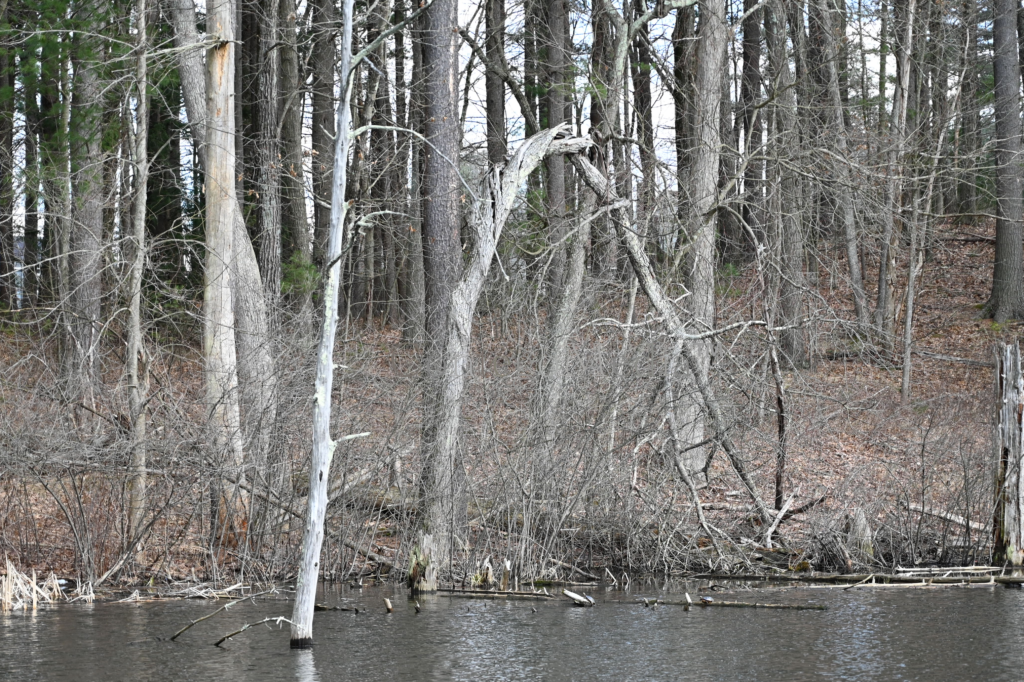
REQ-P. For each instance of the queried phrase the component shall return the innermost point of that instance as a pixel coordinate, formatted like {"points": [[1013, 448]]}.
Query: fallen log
{"points": [[846, 580], [579, 600], [946, 516], [493, 594], [707, 602]]}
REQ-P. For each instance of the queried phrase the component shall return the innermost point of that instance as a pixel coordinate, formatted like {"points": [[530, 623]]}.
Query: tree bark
{"points": [[442, 257], [497, 142], [700, 275], [750, 94], [322, 60], [553, 114], [1007, 300]]}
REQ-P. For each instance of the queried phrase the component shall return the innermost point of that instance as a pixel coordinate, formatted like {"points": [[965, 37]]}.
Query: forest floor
{"points": [[851, 442]]}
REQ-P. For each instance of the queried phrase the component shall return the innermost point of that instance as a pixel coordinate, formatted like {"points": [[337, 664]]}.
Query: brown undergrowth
{"points": [[603, 495]]}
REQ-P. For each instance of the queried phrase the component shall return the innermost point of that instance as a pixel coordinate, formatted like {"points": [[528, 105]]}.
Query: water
{"points": [[879, 634]]}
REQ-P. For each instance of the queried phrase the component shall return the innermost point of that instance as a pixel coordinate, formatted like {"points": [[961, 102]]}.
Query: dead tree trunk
{"points": [[1008, 520], [218, 290], [323, 445], [256, 367]]}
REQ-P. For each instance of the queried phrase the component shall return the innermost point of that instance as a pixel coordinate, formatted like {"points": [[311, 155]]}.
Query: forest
{"points": [[546, 289]]}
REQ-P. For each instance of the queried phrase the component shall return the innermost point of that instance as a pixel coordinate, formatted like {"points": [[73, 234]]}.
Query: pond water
{"points": [[866, 634]]}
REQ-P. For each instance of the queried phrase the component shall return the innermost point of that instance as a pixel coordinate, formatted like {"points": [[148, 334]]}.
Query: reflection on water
{"points": [[882, 634]]}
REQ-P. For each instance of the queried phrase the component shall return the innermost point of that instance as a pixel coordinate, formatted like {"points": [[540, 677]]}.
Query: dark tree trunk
{"points": [[553, 114], [750, 95], [295, 237], [497, 143], [322, 133], [31, 130], [444, 509], [268, 152], [8, 287], [602, 123], [643, 103], [1007, 300]]}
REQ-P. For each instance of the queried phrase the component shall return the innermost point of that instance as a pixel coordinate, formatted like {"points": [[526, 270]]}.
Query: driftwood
{"points": [[579, 600], [223, 608]]}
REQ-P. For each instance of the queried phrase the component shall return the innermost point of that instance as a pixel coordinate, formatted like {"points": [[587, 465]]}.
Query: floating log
{"points": [[387, 605]]}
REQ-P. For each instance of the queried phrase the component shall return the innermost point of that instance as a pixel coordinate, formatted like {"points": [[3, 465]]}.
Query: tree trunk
{"points": [[1007, 300], [443, 498], [704, 185], [257, 375], [30, 286], [1008, 520], [750, 95], [497, 142], [137, 381], [8, 287], [442, 490], [268, 153], [86, 235], [554, 108], [643, 103], [218, 290], [322, 134], [410, 244], [835, 128], [323, 445], [788, 228], [885, 316], [295, 247]]}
